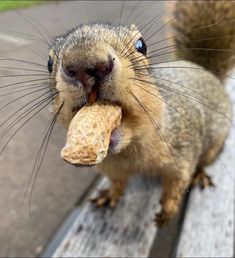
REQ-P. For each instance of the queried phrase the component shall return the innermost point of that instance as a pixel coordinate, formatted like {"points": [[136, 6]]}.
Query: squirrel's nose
{"points": [[101, 69], [99, 72]]}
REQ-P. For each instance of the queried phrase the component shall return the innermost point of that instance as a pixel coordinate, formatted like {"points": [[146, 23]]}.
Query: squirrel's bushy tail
{"points": [[205, 33]]}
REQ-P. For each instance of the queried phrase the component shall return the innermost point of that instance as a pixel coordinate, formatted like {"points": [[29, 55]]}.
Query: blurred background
{"points": [[27, 225]]}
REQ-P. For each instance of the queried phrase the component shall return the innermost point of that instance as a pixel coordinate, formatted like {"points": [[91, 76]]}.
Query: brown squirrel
{"points": [[176, 115]]}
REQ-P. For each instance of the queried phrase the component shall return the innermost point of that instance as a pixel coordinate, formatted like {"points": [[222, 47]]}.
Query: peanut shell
{"points": [[89, 134]]}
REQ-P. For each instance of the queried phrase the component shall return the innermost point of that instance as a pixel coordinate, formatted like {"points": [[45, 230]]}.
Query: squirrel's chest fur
{"points": [[192, 129]]}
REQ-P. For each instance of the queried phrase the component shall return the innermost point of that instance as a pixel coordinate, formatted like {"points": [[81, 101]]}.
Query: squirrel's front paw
{"points": [[202, 179], [111, 196], [106, 198], [162, 219]]}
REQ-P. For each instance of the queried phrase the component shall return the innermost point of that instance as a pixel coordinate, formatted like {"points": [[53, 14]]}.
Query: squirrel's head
{"points": [[98, 63]]}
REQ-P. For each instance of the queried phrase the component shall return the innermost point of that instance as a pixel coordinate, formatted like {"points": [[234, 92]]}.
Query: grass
{"points": [[7, 5]]}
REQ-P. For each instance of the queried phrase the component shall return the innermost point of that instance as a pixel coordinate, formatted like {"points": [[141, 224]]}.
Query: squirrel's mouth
{"points": [[92, 96]]}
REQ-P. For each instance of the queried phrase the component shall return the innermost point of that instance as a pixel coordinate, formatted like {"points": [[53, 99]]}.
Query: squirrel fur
{"points": [[176, 115]]}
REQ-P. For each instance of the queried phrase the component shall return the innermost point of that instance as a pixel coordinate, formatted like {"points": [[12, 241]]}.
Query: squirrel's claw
{"points": [[162, 219], [202, 179], [110, 197], [105, 198]]}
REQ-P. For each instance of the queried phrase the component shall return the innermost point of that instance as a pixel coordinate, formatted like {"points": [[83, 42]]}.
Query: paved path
{"points": [[59, 186]]}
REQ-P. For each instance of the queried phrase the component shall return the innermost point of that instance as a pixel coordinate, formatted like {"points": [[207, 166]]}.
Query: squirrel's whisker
{"points": [[165, 61], [135, 21], [184, 95], [155, 19], [45, 75], [164, 101], [143, 27], [190, 31], [198, 49], [40, 155], [22, 96], [120, 19], [133, 10], [20, 42], [187, 88], [24, 86], [162, 27], [31, 36], [184, 117], [157, 127], [195, 29], [3, 68], [26, 18], [193, 41], [44, 28], [179, 50], [181, 67], [21, 90], [43, 80], [23, 61], [22, 107], [46, 100]]}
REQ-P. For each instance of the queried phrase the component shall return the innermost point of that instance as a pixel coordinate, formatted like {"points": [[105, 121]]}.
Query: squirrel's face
{"points": [[96, 63]]}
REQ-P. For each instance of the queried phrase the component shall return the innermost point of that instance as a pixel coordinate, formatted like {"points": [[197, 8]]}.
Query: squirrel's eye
{"points": [[141, 46], [50, 65]]}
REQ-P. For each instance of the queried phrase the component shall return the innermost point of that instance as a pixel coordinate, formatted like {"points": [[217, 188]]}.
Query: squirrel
{"points": [[176, 115]]}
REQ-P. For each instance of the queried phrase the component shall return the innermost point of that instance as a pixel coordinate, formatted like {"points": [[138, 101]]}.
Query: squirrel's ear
{"points": [[133, 27]]}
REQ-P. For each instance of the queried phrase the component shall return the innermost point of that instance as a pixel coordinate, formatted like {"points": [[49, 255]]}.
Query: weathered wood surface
{"points": [[127, 231], [208, 229]]}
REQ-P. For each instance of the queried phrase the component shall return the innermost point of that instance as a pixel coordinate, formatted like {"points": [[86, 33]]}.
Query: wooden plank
{"points": [[208, 228], [128, 230]]}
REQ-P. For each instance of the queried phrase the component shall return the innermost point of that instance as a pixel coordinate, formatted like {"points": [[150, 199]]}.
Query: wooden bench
{"points": [[205, 227]]}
